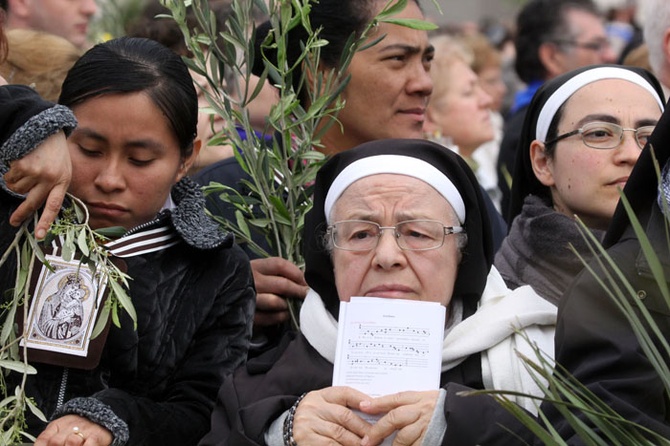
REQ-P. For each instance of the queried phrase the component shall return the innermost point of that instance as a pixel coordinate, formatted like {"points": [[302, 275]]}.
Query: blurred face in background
{"points": [[586, 44], [66, 18], [491, 81], [462, 111], [211, 125]]}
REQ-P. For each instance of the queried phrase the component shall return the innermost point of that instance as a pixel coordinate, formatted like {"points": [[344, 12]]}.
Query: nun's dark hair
{"points": [[337, 20], [132, 65]]}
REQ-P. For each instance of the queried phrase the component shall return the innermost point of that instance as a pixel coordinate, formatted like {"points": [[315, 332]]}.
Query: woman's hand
{"points": [[409, 413], [325, 417], [276, 279], [44, 176], [73, 430]]}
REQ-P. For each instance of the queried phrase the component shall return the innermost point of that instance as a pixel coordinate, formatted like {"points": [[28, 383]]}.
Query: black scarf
{"points": [[642, 186]]}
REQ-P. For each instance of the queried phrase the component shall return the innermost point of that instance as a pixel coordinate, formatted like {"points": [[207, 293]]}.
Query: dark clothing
{"points": [[227, 172], [269, 385], [509, 146], [498, 224], [194, 302], [595, 342], [537, 251], [27, 120]]}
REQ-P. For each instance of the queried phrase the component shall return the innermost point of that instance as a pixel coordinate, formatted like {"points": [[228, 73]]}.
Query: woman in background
{"points": [[39, 60], [459, 111]]}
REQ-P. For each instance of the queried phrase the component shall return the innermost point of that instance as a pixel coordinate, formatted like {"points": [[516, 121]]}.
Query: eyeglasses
{"points": [[598, 46], [606, 135], [411, 235]]}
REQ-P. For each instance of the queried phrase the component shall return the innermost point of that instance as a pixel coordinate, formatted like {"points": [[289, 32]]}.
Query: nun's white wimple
{"points": [[566, 90], [395, 164]]}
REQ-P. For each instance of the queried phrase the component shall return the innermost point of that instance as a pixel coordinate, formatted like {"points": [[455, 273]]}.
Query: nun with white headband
{"points": [[385, 192], [583, 133]]}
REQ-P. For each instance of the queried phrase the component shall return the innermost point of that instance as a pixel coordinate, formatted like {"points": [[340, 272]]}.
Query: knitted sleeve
{"points": [[26, 120]]}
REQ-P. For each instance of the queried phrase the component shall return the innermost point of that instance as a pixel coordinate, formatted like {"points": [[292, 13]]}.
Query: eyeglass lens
{"points": [[355, 235], [606, 135]]}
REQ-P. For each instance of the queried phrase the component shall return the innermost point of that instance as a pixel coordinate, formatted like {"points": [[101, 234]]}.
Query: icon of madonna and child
{"points": [[63, 310]]}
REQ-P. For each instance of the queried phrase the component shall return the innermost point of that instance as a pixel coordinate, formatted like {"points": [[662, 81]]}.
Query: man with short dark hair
{"points": [[66, 18], [553, 37]]}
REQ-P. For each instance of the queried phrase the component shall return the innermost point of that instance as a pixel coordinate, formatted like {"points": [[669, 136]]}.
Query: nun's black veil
{"points": [[477, 256], [641, 189], [524, 181]]}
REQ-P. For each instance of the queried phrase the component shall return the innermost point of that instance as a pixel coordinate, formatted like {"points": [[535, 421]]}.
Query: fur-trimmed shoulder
{"points": [[194, 226]]}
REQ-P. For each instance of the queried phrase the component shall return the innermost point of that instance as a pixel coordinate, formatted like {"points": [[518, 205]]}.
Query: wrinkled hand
{"points": [[409, 413], [60, 432], [276, 279], [43, 176], [325, 417]]}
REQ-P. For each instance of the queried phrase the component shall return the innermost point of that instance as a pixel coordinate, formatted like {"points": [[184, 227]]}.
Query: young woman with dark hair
{"points": [[136, 108]]}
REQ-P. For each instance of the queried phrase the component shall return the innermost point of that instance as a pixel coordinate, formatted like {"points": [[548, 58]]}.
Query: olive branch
{"points": [[78, 240], [278, 191]]}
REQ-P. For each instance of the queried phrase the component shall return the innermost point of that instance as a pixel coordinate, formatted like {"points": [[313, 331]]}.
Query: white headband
{"points": [[558, 98], [395, 164]]}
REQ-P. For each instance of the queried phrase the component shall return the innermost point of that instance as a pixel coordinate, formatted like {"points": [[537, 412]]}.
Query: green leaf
{"points": [[413, 23], [8, 325], [18, 366], [68, 246], [101, 322], [82, 242], [81, 215], [391, 9], [260, 222], [35, 410], [115, 317], [112, 232], [123, 299], [37, 251], [242, 225], [6, 401]]}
